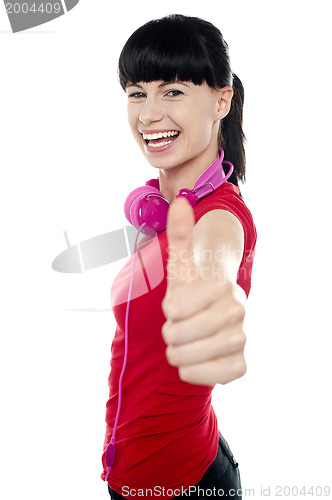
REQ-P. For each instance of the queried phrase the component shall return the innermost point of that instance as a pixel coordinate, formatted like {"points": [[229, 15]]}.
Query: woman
{"points": [[184, 330]]}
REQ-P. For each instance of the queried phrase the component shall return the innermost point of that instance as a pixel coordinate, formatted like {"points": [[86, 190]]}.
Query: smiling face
{"points": [[176, 123]]}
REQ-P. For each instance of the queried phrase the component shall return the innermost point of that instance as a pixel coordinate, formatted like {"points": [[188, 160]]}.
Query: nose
{"points": [[151, 111]]}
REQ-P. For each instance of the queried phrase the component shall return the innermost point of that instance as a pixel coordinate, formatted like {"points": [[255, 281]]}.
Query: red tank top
{"points": [[167, 433]]}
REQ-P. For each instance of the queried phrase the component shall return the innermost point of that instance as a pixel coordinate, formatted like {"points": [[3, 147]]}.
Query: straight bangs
{"points": [[166, 49]]}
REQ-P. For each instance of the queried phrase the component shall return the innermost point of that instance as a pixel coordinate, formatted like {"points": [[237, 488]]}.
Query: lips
{"points": [[159, 140]]}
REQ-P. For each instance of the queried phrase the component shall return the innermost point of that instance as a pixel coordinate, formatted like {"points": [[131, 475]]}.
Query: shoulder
{"points": [[219, 221], [218, 241], [224, 199], [224, 227]]}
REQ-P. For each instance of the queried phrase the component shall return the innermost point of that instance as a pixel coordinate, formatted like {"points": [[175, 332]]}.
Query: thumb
{"points": [[180, 224]]}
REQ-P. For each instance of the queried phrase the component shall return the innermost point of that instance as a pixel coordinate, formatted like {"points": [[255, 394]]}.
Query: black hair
{"points": [[185, 48]]}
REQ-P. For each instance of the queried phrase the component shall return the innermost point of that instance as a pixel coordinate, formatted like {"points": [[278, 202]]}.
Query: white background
{"points": [[67, 163]]}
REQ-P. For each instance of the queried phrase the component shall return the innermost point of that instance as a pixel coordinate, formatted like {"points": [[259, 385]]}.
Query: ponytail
{"points": [[231, 136]]}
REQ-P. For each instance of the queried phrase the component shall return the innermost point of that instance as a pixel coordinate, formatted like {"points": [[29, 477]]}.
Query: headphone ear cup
{"points": [[133, 204], [153, 211]]}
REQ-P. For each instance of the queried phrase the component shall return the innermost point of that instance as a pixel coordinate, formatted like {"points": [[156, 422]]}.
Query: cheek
{"points": [[203, 115], [207, 112], [207, 122], [200, 129]]}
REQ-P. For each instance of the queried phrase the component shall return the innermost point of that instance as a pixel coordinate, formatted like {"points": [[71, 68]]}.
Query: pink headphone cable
{"points": [[111, 448], [213, 177]]}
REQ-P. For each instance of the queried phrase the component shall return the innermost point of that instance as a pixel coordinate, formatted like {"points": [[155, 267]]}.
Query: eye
{"points": [[136, 95], [174, 93]]}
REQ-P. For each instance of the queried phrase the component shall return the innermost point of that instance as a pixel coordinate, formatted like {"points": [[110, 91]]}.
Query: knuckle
{"points": [[168, 353], [173, 304], [241, 311], [237, 313], [244, 369], [233, 370], [185, 374], [236, 341], [231, 292], [244, 338], [164, 332], [164, 304], [167, 332], [172, 356], [240, 369]]}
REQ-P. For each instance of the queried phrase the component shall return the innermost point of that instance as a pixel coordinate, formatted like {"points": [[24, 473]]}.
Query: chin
{"points": [[163, 163]]}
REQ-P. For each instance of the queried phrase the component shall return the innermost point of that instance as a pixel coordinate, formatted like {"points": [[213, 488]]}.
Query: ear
{"points": [[224, 101]]}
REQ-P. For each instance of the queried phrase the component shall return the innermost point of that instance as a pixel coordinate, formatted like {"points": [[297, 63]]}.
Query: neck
{"points": [[185, 175]]}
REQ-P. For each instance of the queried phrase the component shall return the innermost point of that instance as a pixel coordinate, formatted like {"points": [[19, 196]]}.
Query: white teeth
{"points": [[160, 144], [160, 135]]}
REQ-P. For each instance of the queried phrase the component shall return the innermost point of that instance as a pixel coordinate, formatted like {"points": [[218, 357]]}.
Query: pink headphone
{"points": [[147, 205]]}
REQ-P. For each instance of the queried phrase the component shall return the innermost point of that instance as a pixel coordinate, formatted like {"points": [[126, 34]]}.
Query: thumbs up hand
{"points": [[203, 331]]}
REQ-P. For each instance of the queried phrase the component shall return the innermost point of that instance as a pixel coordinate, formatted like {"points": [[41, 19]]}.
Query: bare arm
{"points": [[203, 304]]}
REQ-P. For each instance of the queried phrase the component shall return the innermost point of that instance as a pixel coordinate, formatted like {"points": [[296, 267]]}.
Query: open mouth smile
{"points": [[160, 140]]}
